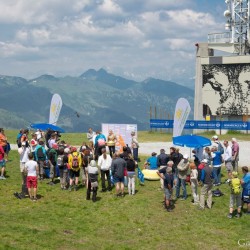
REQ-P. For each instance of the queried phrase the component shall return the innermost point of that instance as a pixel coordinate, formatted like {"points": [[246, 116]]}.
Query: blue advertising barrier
{"points": [[191, 124]]}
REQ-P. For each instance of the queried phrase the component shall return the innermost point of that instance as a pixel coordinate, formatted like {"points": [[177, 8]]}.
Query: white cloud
{"points": [[137, 37], [15, 49]]}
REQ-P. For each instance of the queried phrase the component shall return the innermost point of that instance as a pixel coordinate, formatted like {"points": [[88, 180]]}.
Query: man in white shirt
{"points": [[23, 151], [31, 168]]}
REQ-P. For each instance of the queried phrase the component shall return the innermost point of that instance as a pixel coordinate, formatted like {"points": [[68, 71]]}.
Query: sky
{"points": [[136, 39]]}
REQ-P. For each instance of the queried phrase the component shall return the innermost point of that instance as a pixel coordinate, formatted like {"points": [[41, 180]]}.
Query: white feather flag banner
{"points": [[55, 108]]}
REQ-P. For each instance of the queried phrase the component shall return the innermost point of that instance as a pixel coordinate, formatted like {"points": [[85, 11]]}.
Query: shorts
{"points": [[118, 179], [229, 166], [22, 166], [2, 163], [167, 193], [73, 174], [235, 198], [31, 181], [246, 196]]}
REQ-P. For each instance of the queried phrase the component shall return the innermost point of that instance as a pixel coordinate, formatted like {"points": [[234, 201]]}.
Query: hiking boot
{"points": [[75, 188], [34, 199], [70, 188], [230, 216], [169, 209]]}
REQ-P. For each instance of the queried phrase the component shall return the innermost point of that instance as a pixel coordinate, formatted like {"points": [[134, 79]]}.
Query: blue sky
{"points": [[135, 39]]}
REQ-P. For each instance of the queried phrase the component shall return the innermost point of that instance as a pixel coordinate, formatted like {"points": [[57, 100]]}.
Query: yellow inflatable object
{"points": [[150, 175]]}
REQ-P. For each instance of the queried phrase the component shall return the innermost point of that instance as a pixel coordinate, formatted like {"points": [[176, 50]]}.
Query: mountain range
{"points": [[93, 98]]}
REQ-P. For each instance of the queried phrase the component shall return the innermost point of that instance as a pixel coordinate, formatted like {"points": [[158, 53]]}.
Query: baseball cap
{"points": [[215, 137], [204, 160], [186, 156]]}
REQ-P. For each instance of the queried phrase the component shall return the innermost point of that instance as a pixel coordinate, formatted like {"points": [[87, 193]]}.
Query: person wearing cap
{"points": [[217, 162], [92, 180], [100, 143], [151, 162], [167, 176], [134, 145], [207, 177], [182, 168], [203, 163], [235, 154], [235, 195], [218, 144], [162, 160], [52, 160], [245, 182]]}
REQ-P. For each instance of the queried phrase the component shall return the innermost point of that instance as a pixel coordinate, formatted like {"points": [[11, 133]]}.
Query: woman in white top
{"points": [[104, 162]]}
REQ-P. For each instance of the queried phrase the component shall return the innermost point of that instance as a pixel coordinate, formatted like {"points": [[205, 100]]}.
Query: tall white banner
{"points": [[182, 110], [55, 108]]}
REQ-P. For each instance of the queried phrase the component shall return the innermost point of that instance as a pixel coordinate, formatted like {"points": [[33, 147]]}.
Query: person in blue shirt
{"points": [[151, 162], [245, 182]]}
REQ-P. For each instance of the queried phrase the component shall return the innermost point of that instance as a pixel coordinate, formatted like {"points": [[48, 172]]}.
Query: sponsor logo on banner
{"points": [[55, 109], [182, 111]]}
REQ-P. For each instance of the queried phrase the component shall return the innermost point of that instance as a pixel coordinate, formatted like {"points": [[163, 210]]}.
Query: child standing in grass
{"points": [[235, 196], [194, 183], [31, 168]]}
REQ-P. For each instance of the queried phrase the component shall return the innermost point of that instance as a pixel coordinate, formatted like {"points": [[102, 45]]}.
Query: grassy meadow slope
{"points": [[65, 220]]}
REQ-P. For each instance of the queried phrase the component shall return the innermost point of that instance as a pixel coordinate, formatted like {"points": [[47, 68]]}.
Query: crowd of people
{"points": [[203, 169], [46, 156]]}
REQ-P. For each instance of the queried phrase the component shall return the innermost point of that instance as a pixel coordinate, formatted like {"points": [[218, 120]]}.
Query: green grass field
{"points": [[65, 220]]}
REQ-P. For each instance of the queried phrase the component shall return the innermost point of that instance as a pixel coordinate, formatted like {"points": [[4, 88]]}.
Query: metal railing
{"points": [[219, 37]]}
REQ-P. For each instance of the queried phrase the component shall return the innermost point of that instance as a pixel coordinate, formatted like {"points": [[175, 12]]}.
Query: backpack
{"points": [[220, 148], [101, 142], [40, 154], [18, 140], [75, 161], [235, 185], [60, 161]]}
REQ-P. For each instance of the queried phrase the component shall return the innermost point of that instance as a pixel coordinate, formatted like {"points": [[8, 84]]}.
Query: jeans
{"points": [[135, 154], [217, 175], [94, 191], [111, 150], [107, 174], [63, 176], [131, 183], [181, 183]]}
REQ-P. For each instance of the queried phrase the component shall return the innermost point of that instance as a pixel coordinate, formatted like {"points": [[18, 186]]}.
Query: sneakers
{"points": [[169, 209], [200, 208], [75, 188], [230, 216], [237, 215], [70, 188], [2, 178]]}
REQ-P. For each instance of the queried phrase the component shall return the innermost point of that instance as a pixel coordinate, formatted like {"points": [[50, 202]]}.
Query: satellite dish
{"points": [[227, 13]]}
